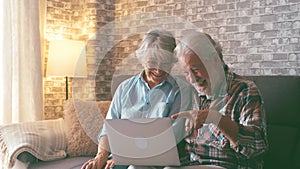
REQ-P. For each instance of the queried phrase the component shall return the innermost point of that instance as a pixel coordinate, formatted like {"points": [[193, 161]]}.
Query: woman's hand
{"points": [[95, 163], [110, 164]]}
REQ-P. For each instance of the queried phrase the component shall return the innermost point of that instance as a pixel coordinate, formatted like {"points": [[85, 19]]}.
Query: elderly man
{"points": [[228, 124]]}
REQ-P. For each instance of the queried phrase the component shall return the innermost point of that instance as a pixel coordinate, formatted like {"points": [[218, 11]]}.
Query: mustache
{"points": [[199, 80]]}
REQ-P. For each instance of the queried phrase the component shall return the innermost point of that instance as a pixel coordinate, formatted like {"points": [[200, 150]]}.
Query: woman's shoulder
{"points": [[130, 81]]}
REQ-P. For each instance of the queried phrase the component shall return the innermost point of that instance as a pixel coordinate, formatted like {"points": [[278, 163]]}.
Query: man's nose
{"points": [[191, 77]]}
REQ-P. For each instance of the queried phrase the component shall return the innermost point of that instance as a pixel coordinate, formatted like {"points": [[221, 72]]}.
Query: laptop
{"points": [[148, 142]]}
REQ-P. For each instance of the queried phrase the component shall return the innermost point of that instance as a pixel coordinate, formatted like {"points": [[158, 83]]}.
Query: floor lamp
{"points": [[66, 58]]}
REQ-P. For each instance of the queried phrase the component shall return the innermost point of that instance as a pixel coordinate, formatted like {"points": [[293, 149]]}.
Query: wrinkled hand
{"points": [[95, 163], [110, 164], [194, 118]]}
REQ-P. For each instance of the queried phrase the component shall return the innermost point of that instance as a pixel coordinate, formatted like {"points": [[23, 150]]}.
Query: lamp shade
{"points": [[66, 58]]}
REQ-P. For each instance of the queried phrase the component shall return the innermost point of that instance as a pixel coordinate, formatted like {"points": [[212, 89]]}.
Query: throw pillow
{"points": [[83, 122]]}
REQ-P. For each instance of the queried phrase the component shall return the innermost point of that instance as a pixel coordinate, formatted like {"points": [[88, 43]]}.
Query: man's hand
{"points": [[194, 118]]}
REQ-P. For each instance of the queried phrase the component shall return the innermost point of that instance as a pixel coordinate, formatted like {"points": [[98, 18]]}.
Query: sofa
{"points": [[280, 93]]}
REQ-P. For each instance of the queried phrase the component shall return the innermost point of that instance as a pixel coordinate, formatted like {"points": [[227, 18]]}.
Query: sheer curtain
{"points": [[21, 79]]}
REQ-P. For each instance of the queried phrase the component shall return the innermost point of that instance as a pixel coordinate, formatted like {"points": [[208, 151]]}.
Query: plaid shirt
{"points": [[208, 145]]}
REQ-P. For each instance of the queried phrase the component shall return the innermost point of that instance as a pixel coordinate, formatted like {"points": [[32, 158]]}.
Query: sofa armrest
{"points": [[44, 140]]}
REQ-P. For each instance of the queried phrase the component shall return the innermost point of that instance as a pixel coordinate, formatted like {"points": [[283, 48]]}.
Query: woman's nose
{"points": [[157, 70]]}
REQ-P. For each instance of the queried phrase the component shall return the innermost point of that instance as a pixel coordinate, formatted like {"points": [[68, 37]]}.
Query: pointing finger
{"points": [[185, 114]]}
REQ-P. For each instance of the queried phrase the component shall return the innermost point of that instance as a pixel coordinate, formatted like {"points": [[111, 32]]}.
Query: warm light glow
{"points": [[66, 58], [1, 70]]}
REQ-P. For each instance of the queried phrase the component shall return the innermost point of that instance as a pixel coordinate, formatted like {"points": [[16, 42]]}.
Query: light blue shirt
{"points": [[134, 99]]}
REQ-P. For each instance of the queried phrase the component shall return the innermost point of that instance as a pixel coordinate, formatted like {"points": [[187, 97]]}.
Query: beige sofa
{"points": [[57, 141]]}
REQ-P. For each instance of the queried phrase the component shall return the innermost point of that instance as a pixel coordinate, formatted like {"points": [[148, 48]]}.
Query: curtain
{"points": [[21, 78]]}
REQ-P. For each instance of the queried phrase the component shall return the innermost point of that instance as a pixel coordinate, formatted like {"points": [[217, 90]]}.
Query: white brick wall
{"points": [[259, 37]]}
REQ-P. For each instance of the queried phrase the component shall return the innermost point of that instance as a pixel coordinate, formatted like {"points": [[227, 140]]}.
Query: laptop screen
{"points": [[142, 141]]}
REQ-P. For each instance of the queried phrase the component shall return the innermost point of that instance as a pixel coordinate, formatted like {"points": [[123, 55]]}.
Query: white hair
{"points": [[157, 43], [200, 44]]}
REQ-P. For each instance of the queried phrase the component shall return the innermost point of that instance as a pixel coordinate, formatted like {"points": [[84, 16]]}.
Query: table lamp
{"points": [[66, 58]]}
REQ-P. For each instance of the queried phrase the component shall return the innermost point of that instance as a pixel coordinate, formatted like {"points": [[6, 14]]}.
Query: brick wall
{"points": [[259, 37], [75, 20]]}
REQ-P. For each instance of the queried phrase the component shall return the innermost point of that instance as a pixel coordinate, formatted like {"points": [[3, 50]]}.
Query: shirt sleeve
{"points": [[252, 136], [113, 111]]}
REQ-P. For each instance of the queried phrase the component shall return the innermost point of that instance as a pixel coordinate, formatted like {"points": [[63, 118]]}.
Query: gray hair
{"points": [[200, 44], [158, 43], [210, 53]]}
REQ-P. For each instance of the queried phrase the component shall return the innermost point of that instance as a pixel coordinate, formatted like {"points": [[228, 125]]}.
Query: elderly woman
{"points": [[150, 94]]}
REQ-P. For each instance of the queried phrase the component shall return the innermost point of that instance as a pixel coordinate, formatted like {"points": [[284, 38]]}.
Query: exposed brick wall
{"points": [[259, 37], [76, 20]]}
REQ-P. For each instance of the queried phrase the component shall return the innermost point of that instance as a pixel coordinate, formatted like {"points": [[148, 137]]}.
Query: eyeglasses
{"points": [[158, 65]]}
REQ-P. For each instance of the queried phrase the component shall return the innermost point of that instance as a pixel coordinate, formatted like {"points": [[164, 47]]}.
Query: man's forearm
{"points": [[229, 128]]}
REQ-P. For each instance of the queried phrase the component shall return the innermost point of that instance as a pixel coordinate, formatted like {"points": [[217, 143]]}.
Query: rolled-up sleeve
{"points": [[252, 135]]}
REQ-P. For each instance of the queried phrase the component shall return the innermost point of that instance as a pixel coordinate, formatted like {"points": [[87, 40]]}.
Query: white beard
{"points": [[195, 85]]}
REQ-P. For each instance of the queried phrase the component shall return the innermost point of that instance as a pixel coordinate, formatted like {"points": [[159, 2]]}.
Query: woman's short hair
{"points": [[157, 43]]}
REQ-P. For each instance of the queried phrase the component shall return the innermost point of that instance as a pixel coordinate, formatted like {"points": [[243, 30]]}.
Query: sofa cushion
{"points": [[281, 98], [282, 142], [296, 154], [67, 163], [83, 122], [281, 95]]}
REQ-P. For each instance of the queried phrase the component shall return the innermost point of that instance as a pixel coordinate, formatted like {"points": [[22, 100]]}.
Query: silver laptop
{"points": [[149, 142]]}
